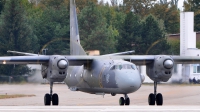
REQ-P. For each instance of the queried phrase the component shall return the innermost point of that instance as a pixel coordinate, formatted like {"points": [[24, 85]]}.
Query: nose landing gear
{"points": [[124, 100], [49, 97], [113, 94], [155, 97]]}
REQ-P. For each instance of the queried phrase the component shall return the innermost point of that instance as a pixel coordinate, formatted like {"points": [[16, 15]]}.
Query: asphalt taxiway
{"points": [[176, 97]]}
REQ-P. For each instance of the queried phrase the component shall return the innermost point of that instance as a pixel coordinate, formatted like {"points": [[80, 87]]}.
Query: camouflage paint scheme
{"points": [[102, 79]]}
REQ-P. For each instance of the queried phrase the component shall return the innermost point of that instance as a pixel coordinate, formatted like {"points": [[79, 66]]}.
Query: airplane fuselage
{"points": [[105, 76]]}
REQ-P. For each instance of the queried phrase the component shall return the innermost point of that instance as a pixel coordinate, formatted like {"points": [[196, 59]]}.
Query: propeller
{"points": [[168, 64]]}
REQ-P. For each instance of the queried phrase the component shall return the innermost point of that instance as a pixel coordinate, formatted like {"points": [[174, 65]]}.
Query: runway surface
{"points": [[176, 98]]}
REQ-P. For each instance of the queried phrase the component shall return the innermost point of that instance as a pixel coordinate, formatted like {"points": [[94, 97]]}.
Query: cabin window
{"points": [[124, 66]]}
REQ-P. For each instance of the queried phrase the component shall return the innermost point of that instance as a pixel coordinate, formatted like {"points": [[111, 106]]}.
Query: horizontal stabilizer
{"points": [[121, 53], [22, 53]]}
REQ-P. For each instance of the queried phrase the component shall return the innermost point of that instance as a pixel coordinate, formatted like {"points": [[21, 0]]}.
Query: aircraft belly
{"points": [[102, 90]]}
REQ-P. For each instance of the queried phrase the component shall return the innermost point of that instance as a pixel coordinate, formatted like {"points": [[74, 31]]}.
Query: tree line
{"points": [[140, 25]]}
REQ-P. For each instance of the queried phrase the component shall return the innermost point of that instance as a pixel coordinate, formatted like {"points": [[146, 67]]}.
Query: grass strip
{"points": [[14, 96]]}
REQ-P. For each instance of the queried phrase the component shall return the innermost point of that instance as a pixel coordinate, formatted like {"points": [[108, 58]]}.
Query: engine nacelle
{"points": [[44, 71], [161, 68], [56, 70]]}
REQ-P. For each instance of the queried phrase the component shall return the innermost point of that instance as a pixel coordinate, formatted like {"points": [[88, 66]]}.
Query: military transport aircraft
{"points": [[106, 74]]}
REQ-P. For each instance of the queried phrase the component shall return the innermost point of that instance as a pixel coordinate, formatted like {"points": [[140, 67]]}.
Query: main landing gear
{"points": [[49, 97], [155, 97], [124, 100]]}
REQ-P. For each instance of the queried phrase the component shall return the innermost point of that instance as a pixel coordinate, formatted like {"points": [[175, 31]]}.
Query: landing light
{"points": [[4, 62]]}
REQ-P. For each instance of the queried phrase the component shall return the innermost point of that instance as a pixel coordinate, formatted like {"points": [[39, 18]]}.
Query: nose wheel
{"points": [[155, 97], [48, 98], [124, 100]]}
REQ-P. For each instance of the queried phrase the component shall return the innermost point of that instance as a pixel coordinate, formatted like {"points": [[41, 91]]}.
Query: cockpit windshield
{"points": [[123, 66]]}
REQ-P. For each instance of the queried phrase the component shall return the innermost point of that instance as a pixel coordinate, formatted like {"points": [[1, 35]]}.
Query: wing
{"points": [[139, 59], [44, 59], [81, 60], [186, 59], [146, 59], [24, 60]]}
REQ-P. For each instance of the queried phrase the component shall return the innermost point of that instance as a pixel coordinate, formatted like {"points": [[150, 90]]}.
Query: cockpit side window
{"points": [[124, 66], [120, 67], [116, 66], [129, 67], [112, 68], [133, 67]]}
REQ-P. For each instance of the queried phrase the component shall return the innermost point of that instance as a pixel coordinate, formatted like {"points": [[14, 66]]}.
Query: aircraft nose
{"points": [[130, 81]]}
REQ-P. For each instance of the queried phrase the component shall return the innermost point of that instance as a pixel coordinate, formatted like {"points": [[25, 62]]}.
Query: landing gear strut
{"points": [[155, 97], [49, 97], [124, 100]]}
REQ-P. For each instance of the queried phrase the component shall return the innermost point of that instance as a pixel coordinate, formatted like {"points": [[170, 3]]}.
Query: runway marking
{"points": [[100, 108]]}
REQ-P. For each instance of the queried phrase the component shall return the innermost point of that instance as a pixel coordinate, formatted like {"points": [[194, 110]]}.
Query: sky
{"points": [[180, 4]]}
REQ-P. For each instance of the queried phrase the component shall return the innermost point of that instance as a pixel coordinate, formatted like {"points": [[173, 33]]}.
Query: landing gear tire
{"points": [[55, 99], [47, 99], [159, 99], [121, 101], [151, 99], [113, 94], [127, 101], [124, 100]]}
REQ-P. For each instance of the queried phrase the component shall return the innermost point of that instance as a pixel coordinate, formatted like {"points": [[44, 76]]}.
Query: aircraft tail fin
{"points": [[75, 46]]}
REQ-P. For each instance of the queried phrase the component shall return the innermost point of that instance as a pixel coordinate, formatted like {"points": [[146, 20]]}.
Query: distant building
{"points": [[93, 52], [188, 47], [188, 39], [194, 71]]}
